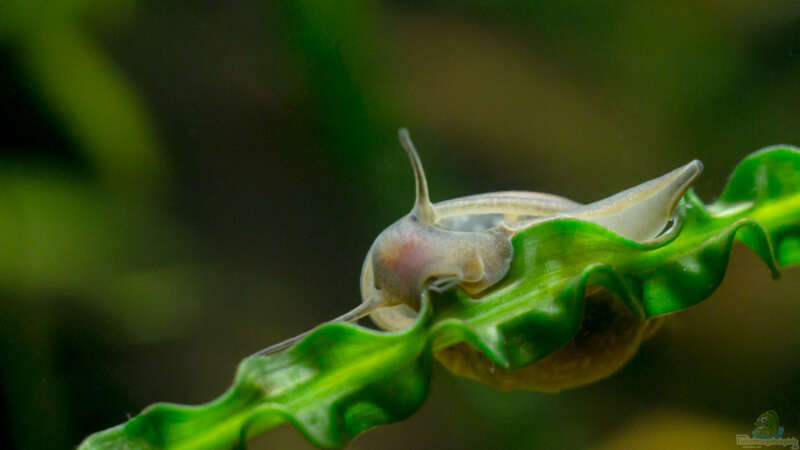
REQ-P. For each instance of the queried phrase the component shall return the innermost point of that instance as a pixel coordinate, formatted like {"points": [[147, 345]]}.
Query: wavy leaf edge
{"points": [[151, 429]]}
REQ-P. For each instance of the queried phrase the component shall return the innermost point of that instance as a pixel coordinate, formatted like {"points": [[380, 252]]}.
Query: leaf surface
{"points": [[343, 379]]}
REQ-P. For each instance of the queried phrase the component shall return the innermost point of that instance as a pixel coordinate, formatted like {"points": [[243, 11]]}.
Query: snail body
{"points": [[466, 242]]}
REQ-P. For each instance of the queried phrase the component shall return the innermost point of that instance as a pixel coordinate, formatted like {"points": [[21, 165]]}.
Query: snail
{"points": [[466, 241]]}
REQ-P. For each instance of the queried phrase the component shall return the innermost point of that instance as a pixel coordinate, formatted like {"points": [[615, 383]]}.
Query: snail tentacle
{"points": [[351, 316]]}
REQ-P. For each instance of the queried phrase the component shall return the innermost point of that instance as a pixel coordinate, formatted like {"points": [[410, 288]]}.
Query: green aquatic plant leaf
{"points": [[343, 379], [339, 381]]}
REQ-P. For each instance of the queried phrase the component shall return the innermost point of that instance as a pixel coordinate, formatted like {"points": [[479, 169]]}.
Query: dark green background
{"points": [[182, 184]]}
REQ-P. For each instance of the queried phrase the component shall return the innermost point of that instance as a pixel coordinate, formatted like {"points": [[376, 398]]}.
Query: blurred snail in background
{"points": [[466, 242]]}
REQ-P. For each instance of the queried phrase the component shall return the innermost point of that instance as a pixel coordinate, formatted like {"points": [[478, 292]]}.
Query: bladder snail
{"points": [[475, 232], [466, 242]]}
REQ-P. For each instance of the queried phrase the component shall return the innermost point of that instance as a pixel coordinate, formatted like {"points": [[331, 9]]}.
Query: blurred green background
{"points": [[183, 183]]}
